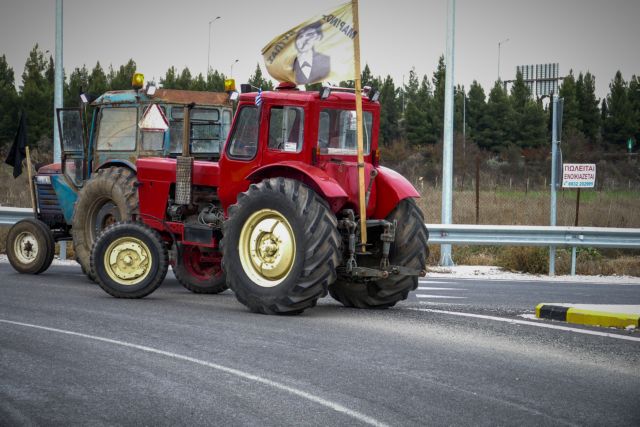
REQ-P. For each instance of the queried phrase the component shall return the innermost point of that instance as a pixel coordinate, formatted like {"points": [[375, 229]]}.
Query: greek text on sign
{"points": [[578, 175]]}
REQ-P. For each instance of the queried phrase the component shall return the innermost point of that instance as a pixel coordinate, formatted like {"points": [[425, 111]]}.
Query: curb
{"points": [[582, 316]]}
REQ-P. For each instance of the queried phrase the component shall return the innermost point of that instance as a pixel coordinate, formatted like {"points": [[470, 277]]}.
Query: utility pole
{"points": [[209, 48], [447, 149], [500, 43], [57, 100], [554, 178], [232, 64]]}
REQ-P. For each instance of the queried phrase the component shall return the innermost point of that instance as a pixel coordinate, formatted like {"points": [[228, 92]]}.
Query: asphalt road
{"points": [[453, 354]]}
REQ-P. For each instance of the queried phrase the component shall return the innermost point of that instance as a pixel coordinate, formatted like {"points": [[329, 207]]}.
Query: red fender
{"points": [[311, 176], [391, 188]]}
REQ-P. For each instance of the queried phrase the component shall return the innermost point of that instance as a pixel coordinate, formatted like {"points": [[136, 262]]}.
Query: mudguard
{"points": [[311, 176], [391, 188]]}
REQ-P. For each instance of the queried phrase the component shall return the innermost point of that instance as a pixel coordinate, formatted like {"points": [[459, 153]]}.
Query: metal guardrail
{"points": [[521, 235], [9, 216], [503, 235]]}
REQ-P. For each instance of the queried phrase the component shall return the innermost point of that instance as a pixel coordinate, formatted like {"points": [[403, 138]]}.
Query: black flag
{"points": [[18, 152]]}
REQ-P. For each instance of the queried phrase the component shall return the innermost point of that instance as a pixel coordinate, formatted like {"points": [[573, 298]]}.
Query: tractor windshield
{"points": [[337, 132]]}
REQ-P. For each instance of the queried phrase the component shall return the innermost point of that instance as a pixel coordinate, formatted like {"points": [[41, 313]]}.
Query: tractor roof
{"points": [[169, 96], [304, 96]]}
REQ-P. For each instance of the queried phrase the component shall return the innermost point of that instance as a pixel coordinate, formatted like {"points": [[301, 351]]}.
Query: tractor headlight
{"points": [[43, 179]]}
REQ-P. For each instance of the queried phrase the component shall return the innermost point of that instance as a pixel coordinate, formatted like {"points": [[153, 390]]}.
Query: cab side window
{"points": [[286, 129]]}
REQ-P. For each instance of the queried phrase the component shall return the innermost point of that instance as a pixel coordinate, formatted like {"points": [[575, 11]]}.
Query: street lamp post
{"points": [[500, 43], [232, 64], [209, 48]]}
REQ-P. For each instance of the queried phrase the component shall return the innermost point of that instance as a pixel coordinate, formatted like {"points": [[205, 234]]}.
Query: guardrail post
{"points": [[573, 261]]}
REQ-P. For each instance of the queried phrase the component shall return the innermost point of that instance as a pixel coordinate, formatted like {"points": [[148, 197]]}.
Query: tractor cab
{"points": [[127, 125], [308, 135], [94, 185]]}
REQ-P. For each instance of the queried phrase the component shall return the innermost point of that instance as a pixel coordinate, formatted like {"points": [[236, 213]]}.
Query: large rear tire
{"points": [[408, 250], [108, 197], [30, 246], [280, 247], [199, 269], [129, 260]]}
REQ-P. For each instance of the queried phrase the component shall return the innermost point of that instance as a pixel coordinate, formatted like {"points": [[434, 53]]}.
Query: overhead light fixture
{"points": [[325, 91], [151, 89]]}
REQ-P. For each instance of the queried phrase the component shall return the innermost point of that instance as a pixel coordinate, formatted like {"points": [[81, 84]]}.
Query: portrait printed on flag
{"points": [[320, 49], [310, 65]]}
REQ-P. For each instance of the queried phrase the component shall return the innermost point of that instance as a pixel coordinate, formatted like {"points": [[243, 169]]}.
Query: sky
{"points": [[600, 36]]}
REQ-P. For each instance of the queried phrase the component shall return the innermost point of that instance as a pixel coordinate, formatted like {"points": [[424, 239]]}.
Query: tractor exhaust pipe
{"points": [[184, 164]]}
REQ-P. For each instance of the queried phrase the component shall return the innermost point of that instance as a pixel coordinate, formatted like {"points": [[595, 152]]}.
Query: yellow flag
{"points": [[320, 49]]}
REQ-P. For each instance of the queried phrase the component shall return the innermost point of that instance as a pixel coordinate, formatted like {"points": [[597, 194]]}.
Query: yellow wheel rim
{"points": [[267, 247], [128, 261]]}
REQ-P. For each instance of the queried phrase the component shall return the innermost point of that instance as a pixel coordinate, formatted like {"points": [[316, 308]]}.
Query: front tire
{"points": [[280, 247], [409, 250], [108, 197], [129, 260], [30, 246]]}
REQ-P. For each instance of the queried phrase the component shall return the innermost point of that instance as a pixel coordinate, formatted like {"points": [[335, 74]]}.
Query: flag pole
{"points": [[31, 189], [358, 88]]}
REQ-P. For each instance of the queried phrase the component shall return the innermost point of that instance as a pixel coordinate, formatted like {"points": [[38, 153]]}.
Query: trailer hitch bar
{"points": [[374, 273]]}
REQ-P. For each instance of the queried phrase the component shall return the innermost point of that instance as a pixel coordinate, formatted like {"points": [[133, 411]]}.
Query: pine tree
{"points": [[496, 129], [476, 106], [215, 81], [184, 81], [437, 110], [570, 113], [37, 97], [528, 121], [366, 78], [389, 113], [619, 123], [417, 116], [169, 81], [98, 81], [634, 98], [258, 81], [413, 117], [121, 80], [9, 105], [589, 114], [78, 83], [198, 83]]}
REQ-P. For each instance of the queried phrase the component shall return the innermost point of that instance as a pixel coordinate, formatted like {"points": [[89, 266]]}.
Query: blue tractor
{"points": [[95, 183]]}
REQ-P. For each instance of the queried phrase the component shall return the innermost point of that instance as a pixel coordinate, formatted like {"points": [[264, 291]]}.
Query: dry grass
{"points": [[597, 208]]}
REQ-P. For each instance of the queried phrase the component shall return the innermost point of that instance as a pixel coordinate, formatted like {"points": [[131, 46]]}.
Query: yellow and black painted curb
{"points": [[587, 317]]}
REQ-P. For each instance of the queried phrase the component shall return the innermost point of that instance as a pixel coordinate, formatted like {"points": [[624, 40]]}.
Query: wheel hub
{"points": [[267, 247], [26, 247], [127, 261]]}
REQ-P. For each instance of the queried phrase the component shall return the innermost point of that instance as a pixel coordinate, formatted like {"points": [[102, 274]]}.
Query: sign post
{"points": [[578, 175]]}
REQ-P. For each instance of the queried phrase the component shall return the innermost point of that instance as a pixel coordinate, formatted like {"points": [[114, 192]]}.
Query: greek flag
{"points": [[259, 97]]}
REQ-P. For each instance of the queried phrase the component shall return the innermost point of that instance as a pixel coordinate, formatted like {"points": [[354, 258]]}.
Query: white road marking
{"points": [[300, 393], [427, 288], [526, 322], [433, 282], [438, 296]]}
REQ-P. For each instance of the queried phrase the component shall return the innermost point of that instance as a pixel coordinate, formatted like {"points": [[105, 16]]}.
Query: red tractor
{"points": [[276, 218]]}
